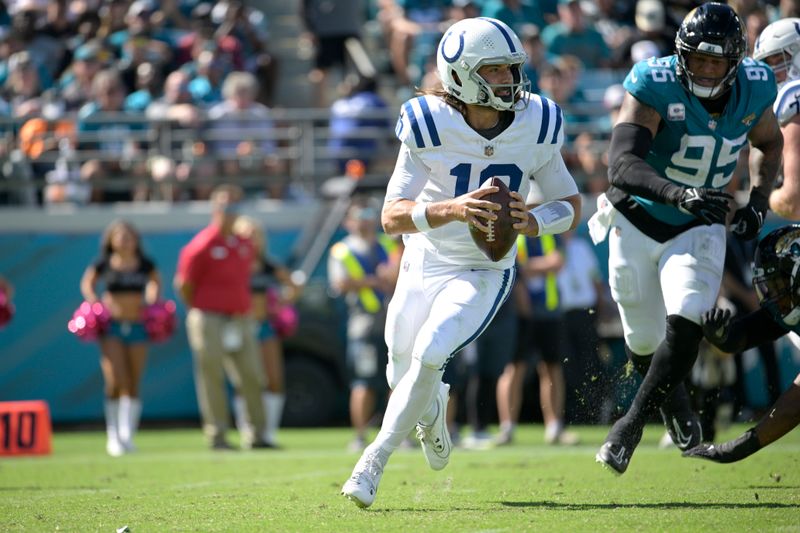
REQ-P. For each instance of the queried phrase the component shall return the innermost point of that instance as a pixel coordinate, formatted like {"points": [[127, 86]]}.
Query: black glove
{"points": [[716, 325], [727, 452], [747, 221], [709, 205]]}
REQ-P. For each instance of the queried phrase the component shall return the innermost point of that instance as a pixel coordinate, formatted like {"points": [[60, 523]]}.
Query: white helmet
{"points": [[471, 43], [781, 37]]}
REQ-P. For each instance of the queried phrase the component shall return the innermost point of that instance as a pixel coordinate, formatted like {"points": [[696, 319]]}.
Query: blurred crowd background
{"points": [[143, 107]]}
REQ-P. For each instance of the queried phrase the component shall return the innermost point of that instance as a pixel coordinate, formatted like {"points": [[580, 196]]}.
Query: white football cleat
{"points": [[435, 438], [114, 448], [362, 486]]}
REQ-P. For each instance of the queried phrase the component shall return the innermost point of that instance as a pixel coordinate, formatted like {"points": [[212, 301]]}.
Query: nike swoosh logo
{"points": [[619, 456], [634, 78], [683, 439]]}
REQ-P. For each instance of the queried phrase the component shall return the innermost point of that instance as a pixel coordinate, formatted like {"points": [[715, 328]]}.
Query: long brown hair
{"points": [[105, 240], [448, 98]]}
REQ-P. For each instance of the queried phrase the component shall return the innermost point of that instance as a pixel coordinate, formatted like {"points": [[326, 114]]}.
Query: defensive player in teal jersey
{"points": [[776, 277], [673, 150]]}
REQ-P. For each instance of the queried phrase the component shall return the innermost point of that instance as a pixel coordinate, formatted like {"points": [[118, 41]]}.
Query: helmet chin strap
{"points": [[793, 317]]}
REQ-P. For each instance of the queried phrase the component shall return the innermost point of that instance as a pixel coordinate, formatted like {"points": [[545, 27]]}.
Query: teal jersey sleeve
{"points": [[693, 147]]}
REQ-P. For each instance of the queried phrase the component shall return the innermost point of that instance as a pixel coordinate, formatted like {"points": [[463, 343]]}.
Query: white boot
{"points": [[113, 445], [130, 410], [273, 408]]}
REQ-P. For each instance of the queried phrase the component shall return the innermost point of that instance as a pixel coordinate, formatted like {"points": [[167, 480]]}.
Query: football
{"points": [[501, 236]]}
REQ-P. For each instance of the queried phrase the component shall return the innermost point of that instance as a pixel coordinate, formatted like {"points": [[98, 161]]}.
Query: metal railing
{"points": [[294, 147]]}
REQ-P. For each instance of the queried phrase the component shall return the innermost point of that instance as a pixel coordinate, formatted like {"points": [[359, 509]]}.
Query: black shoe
{"points": [[221, 445], [264, 445], [616, 452], [614, 457], [684, 428]]}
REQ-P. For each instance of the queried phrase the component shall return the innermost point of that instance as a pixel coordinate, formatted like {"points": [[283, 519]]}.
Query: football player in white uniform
{"points": [[484, 123], [779, 47]]}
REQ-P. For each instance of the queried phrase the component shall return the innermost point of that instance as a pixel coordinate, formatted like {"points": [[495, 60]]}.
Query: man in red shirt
{"points": [[213, 279]]}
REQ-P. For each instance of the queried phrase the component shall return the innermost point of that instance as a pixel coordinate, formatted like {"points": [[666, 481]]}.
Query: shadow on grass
{"points": [[662, 505]]}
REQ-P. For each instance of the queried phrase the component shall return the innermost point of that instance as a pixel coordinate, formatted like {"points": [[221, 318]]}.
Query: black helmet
{"points": [[714, 29], [776, 274]]}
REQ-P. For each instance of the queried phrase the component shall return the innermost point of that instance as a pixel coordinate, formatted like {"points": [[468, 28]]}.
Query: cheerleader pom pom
{"points": [[6, 309], [89, 321], [160, 320]]}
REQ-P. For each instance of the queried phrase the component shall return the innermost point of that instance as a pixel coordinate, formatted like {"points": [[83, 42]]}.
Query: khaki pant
{"points": [[208, 334]]}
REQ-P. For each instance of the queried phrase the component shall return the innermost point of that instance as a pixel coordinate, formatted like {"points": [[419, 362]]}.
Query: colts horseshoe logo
{"points": [[454, 57]]}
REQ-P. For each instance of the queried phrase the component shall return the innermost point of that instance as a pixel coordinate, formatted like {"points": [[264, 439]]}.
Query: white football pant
{"points": [[437, 309], [651, 280]]}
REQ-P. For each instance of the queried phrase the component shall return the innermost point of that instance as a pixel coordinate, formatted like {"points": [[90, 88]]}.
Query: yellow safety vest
{"points": [[369, 299], [550, 280]]}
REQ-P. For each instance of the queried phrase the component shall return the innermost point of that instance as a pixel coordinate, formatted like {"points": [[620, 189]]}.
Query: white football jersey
{"points": [[448, 159], [787, 104]]}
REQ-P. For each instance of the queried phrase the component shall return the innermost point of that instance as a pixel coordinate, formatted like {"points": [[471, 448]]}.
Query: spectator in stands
{"points": [[23, 88], [242, 130], [58, 23], [537, 61], [248, 26], [359, 122], [213, 280], [75, 85], [267, 275], [104, 126], [44, 50], [755, 22], [139, 40], [208, 73], [148, 87], [651, 25], [130, 280], [363, 268], [788, 8], [173, 16], [744, 8], [559, 81], [112, 17], [588, 163], [515, 13], [412, 30], [204, 37], [574, 35], [87, 26], [613, 19], [176, 114], [328, 25], [464, 9]]}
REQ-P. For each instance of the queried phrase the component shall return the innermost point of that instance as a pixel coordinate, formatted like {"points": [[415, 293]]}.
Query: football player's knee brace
{"points": [[640, 362]]}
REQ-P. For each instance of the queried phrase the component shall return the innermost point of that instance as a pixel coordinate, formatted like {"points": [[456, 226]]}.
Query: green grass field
{"points": [[175, 484]]}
